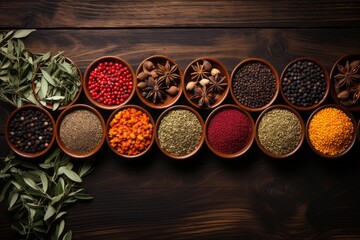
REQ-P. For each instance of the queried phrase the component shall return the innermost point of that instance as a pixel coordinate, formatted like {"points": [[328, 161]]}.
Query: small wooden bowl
{"points": [[247, 146], [183, 107], [302, 136], [187, 78], [326, 79], [170, 99], [7, 133], [58, 124], [334, 71], [92, 66], [274, 72], [108, 128], [340, 107], [61, 107]]}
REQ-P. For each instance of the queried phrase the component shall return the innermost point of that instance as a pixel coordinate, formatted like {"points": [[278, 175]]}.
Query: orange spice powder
{"points": [[331, 131], [130, 131]]}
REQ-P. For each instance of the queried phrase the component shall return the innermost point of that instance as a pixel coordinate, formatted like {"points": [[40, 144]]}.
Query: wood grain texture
{"points": [[169, 14], [205, 197]]}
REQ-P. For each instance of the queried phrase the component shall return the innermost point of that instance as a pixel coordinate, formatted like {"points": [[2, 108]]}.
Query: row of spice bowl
{"points": [[179, 132]]}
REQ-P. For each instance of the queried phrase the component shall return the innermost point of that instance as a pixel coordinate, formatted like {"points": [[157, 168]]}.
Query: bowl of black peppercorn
{"points": [[304, 84], [254, 84], [29, 131]]}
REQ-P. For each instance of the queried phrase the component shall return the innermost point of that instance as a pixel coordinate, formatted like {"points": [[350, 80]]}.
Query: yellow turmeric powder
{"points": [[130, 131], [331, 131]]}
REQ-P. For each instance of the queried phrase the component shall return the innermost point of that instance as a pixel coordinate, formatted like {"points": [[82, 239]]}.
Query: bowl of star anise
{"points": [[158, 81], [345, 82], [206, 83]]}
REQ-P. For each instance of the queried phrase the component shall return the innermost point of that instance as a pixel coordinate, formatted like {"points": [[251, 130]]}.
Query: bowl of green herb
{"points": [[57, 83]]}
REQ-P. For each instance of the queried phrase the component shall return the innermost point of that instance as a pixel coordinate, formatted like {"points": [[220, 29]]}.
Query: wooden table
{"points": [[205, 197]]}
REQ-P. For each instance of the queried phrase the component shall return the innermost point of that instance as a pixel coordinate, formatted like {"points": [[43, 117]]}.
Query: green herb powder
{"points": [[279, 131], [179, 132]]}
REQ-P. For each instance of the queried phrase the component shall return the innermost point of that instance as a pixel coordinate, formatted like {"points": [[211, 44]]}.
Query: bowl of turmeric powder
{"points": [[331, 131], [130, 131]]}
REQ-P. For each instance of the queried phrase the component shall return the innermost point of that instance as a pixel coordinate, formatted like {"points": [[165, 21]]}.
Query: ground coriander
{"points": [[81, 131], [179, 132]]}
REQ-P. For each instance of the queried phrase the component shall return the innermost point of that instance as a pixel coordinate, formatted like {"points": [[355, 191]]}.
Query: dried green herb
{"points": [[39, 193], [57, 82], [16, 68]]}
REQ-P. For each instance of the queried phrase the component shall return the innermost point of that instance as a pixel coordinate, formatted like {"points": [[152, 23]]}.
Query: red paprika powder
{"points": [[229, 131]]}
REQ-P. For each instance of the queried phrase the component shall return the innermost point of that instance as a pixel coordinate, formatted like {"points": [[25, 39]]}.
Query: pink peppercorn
{"points": [[110, 83], [229, 131]]}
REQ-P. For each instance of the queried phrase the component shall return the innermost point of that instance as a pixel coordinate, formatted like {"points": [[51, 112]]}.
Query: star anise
{"points": [[167, 73], [199, 71], [356, 92], [154, 90], [217, 83], [347, 75], [203, 96]]}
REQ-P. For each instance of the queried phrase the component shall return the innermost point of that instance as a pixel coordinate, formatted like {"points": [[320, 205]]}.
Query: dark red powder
{"points": [[229, 131]]}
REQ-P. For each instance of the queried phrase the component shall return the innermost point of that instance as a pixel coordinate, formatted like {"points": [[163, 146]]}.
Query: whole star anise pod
{"points": [[167, 73], [347, 74], [199, 71], [203, 96], [217, 83], [154, 90]]}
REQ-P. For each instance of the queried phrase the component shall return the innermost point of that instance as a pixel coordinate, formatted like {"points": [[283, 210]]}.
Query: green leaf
{"points": [[23, 33], [48, 77], [4, 191], [59, 215], [31, 183], [69, 173], [44, 88], [60, 229], [13, 199], [56, 98], [56, 198], [53, 155], [86, 168], [17, 185], [44, 182], [56, 105], [32, 213], [49, 212], [68, 236], [83, 196]]}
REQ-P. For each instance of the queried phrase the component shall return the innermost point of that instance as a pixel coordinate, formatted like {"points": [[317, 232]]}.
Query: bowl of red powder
{"points": [[229, 131], [109, 82], [331, 131]]}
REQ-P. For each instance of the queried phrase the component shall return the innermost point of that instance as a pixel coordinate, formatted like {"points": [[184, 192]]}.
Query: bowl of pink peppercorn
{"points": [[109, 82]]}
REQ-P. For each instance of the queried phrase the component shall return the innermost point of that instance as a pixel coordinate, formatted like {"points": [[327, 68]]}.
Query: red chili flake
{"points": [[229, 131], [110, 83]]}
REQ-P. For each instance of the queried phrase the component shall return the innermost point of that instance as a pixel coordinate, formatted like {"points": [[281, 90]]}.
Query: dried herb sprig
{"points": [[38, 193], [17, 65], [57, 82]]}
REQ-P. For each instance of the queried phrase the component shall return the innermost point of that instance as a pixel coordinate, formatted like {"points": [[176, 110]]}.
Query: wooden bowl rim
{"points": [[22, 153], [327, 84], [302, 135], [111, 117], [348, 113], [252, 125], [277, 82], [57, 131], [223, 94], [175, 98], [202, 138], [93, 65]]}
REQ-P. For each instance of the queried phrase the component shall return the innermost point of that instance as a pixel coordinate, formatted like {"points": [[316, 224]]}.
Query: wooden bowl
{"points": [[249, 143], [61, 107], [340, 107], [60, 142], [94, 65], [7, 132], [277, 83], [169, 99], [121, 108], [302, 134], [197, 148], [326, 79], [334, 71], [187, 78]]}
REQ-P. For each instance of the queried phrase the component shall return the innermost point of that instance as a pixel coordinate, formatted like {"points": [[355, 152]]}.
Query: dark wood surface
{"points": [[205, 197]]}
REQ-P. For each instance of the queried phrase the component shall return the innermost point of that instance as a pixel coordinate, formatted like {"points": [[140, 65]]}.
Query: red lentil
{"points": [[110, 83]]}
